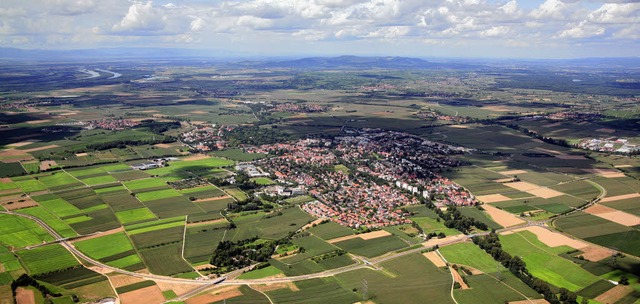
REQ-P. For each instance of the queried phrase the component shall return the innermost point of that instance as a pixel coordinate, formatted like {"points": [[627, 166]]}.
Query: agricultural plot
{"points": [[631, 205], [238, 155], [477, 214], [326, 290], [101, 220], [165, 260], [330, 230], [57, 258], [124, 176], [20, 232], [414, 278], [134, 215], [236, 193], [121, 200], [273, 226], [471, 255], [157, 195], [312, 246], [300, 199], [139, 185], [73, 277], [28, 184], [82, 198], [263, 181], [214, 205], [268, 271], [58, 206], [432, 225], [53, 221], [486, 289], [9, 262], [618, 186], [201, 241], [172, 206], [373, 247], [105, 246], [544, 263], [102, 189], [203, 192], [185, 169], [157, 237], [11, 169], [580, 189], [58, 180], [98, 180]]}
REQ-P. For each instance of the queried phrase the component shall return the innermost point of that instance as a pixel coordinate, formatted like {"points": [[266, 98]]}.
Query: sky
{"points": [[418, 28]]}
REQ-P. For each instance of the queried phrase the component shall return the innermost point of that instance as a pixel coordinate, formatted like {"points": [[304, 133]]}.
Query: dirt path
{"points": [[99, 234]]}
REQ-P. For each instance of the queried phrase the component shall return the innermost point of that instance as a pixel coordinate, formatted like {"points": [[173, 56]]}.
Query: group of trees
{"points": [[491, 244], [25, 280], [454, 219], [254, 136], [234, 255]]}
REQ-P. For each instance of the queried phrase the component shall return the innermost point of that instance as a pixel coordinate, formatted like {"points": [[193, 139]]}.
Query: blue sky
{"points": [[420, 28]]}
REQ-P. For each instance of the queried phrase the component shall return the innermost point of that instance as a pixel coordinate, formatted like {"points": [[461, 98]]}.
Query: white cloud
{"points": [[616, 13], [582, 30], [495, 31], [141, 18]]}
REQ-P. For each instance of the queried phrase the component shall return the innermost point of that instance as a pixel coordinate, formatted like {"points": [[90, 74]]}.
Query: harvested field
{"points": [[619, 197], [82, 154], [624, 166], [458, 278], [216, 295], [120, 280], [15, 202], [513, 172], [608, 173], [503, 180], [220, 220], [199, 112], [614, 215], [554, 239], [40, 148], [178, 288], [275, 286], [195, 157], [364, 236], [449, 240], [209, 199], [35, 122], [531, 301], [316, 222], [149, 294], [20, 144], [493, 198], [435, 258], [25, 296], [163, 145], [14, 155], [534, 189], [614, 294], [101, 234], [45, 165], [503, 218], [595, 253]]}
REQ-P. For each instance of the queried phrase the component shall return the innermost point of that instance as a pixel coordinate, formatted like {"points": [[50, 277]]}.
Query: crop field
{"points": [[373, 247], [260, 273], [263, 181], [312, 245], [134, 215], [53, 221], [157, 195], [120, 200], [165, 260], [11, 169], [124, 176], [485, 289], [58, 180], [82, 198], [477, 214], [618, 186], [95, 248], [471, 255], [29, 184], [172, 206], [146, 183], [238, 155], [429, 224], [98, 180], [215, 206], [57, 205], [236, 193], [201, 241], [21, 232], [325, 290], [157, 237], [585, 225], [273, 227], [581, 189], [544, 263], [300, 199], [414, 277], [330, 230], [57, 258], [185, 169], [629, 205], [155, 225], [101, 220], [30, 167], [72, 278]]}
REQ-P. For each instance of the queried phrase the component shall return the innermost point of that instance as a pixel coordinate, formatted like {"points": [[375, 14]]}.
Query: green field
{"points": [[57, 180], [330, 230], [263, 181], [260, 273], [437, 226], [134, 215], [236, 193], [165, 260], [147, 183], [29, 185], [21, 232], [97, 180], [57, 205], [300, 199], [544, 263], [479, 215], [157, 195], [312, 246], [57, 258], [373, 247], [53, 221], [105, 246], [584, 225], [471, 255]]}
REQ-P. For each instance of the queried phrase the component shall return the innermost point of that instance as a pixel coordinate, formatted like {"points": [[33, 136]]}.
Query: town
{"points": [[363, 178]]}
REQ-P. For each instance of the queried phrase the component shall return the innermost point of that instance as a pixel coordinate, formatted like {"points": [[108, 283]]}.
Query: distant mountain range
{"points": [[341, 62]]}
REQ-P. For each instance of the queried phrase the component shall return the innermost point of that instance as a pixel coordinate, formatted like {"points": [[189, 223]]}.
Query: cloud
{"points": [[582, 30], [141, 18]]}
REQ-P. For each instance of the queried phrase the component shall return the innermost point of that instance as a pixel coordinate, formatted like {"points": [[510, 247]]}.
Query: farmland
{"points": [[139, 171]]}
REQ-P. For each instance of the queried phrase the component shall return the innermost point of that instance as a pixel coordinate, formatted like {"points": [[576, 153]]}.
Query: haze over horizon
{"points": [[448, 28]]}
